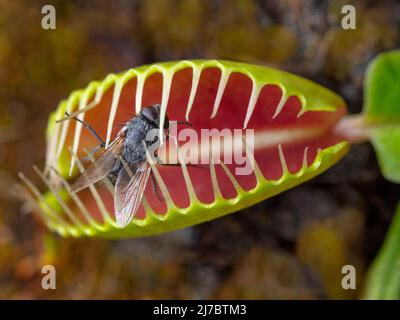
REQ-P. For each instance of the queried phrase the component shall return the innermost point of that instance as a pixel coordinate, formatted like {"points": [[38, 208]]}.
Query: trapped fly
{"points": [[125, 162]]}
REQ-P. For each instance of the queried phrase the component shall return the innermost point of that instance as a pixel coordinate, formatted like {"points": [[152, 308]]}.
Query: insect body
{"points": [[124, 162]]}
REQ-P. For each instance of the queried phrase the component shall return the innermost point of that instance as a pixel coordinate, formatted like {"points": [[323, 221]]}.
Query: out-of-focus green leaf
{"points": [[384, 277], [386, 141], [382, 111]]}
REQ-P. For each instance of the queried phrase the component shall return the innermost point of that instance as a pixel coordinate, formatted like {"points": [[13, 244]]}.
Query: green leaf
{"points": [[386, 141], [382, 111], [382, 89], [383, 280]]}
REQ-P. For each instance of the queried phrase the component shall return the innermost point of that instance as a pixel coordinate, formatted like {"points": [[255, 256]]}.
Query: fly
{"points": [[125, 162]]}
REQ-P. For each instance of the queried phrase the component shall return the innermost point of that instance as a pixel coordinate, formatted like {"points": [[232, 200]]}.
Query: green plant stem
{"points": [[353, 128]]}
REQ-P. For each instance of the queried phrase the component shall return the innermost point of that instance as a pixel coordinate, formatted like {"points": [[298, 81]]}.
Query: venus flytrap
{"points": [[300, 130]]}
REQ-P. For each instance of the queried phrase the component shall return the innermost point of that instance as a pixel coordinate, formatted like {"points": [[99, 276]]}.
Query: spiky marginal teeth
{"points": [[167, 81], [52, 146], [70, 214], [214, 181], [76, 200], [250, 156], [48, 220], [220, 91], [186, 176], [160, 181], [146, 206], [49, 214], [113, 111], [280, 106], [255, 91], [72, 100], [139, 91], [231, 177], [78, 129], [282, 160], [63, 136], [195, 82], [301, 112], [305, 160]]}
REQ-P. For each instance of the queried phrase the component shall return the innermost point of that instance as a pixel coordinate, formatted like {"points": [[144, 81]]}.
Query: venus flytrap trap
{"points": [[300, 130]]}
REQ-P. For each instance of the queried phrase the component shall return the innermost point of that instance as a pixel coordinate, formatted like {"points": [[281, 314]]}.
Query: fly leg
{"points": [[91, 130], [94, 133]]}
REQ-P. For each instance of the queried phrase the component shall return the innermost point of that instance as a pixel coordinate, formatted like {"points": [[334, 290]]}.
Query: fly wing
{"points": [[129, 190], [100, 167]]}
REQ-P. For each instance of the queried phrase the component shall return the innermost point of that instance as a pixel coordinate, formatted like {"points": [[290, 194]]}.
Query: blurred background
{"points": [[291, 246]]}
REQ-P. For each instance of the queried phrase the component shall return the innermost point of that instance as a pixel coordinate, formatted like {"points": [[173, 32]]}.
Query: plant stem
{"points": [[353, 128]]}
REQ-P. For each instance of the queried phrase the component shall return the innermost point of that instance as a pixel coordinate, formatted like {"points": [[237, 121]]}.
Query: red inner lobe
{"points": [[231, 114]]}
